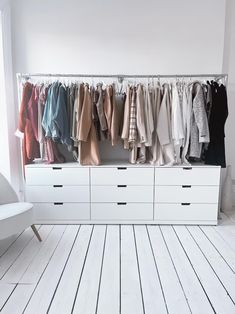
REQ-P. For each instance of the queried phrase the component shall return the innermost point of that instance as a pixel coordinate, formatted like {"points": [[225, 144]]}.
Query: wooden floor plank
{"points": [[46, 287], [223, 271], [152, 291], [41, 259], [219, 299], [109, 294], [16, 303], [6, 243], [86, 298], [18, 268], [221, 245], [174, 294], [14, 251], [131, 296], [193, 290], [66, 291], [5, 292]]}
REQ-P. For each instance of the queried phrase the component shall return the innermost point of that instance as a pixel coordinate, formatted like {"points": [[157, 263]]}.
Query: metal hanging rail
{"points": [[29, 75]]}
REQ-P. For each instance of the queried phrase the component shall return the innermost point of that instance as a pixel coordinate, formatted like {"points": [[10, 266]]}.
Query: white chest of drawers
{"points": [[70, 193]]}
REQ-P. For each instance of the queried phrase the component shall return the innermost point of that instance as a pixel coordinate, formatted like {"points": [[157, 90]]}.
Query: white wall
{"points": [[125, 36], [9, 160], [229, 67]]}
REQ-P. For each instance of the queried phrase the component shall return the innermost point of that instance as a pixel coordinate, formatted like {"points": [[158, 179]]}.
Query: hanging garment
{"points": [[33, 111], [156, 150], [100, 109], [108, 107], [42, 90], [176, 124], [132, 139], [71, 92], [70, 106], [49, 111], [30, 148], [120, 101], [164, 127], [148, 113], [199, 123], [88, 149], [186, 120], [140, 114], [114, 121], [95, 117], [61, 119], [78, 101], [215, 154], [55, 118], [126, 118], [52, 154], [141, 124]]}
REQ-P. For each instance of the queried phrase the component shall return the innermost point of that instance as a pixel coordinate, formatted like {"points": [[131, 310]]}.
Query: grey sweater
{"points": [[199, 123]]}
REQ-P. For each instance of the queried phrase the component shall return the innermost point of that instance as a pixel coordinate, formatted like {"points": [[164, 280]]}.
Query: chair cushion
{"points": [[12, 209]]}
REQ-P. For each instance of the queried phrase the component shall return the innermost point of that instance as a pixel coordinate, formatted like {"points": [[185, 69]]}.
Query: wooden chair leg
{"points": [[36, 233]]}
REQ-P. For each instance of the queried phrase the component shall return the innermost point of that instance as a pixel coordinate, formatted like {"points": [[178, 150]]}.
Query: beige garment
{"points": [[126, 118], [108, 107], [148, 116], [164, 127], [133, 128], [156, 149], [88, 149], [115, 119], [79, 95], [140, 114]]}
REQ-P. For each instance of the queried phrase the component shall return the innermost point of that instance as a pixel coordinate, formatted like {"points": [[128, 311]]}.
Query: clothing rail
{"points": [[28, 75], [120, 77]]}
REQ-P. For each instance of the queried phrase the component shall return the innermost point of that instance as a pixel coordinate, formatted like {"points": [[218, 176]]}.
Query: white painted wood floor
{"points": [[120, 269]]}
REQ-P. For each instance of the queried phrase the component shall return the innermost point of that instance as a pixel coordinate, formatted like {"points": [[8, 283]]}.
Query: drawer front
{"points": [[187, 175], [122, 175], [63, 211], [56, 175], [179, 212], [121, 211], [186, 193], [48, 194], [122, 193]]}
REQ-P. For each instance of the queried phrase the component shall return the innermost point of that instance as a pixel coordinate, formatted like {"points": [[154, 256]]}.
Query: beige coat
{"points": [[88, 149]]}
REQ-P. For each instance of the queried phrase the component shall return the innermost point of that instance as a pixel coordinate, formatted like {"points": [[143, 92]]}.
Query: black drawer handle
{"points": [[187, 168], [121, 203], [57, 186], [57, 203], [185, 204], [186, 186], [57, 168], [121, 186], [121, 168]]}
